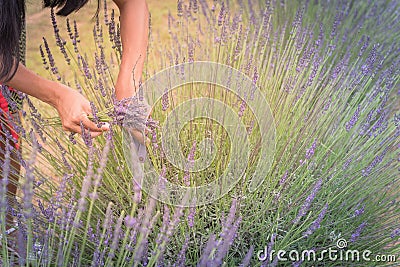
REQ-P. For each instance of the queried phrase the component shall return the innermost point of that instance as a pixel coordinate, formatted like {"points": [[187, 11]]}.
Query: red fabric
{"points": [[4, 107]]}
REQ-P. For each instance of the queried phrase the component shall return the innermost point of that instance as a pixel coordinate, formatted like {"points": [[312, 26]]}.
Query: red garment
{"points": [[6, 114]]}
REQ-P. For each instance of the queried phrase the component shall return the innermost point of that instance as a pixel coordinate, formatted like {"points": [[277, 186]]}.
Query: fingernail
{"points": [[105, 126]]}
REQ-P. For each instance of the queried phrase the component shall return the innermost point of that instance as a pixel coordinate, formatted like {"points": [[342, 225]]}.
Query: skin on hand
{"points": [[71, 106], [73, 109]]}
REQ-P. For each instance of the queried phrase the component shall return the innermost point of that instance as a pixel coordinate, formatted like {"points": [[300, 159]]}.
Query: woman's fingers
{"points": [[95, 134], [88, 124]]}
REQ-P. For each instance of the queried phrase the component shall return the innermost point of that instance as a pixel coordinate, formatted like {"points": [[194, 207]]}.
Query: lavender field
{"points": [[296, 130]]}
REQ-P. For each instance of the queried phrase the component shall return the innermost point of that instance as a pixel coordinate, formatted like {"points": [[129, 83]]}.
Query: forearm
{"points": [[32, 84], [134, 34], [72, 107]]}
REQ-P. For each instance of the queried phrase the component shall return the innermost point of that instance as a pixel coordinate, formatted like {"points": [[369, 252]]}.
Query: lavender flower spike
{"points": [[131, 113], [307, 204], [358, 231], [317, 223], [247, 258]]}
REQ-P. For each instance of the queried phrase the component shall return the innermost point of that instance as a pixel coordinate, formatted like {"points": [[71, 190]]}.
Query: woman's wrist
{"points": [[126, 87], [53, 93]]}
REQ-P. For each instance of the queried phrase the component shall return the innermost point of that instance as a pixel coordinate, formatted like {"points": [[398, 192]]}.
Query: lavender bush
{"points": [[330, 73]]}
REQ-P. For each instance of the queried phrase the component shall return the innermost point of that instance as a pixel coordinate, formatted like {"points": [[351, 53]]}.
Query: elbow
{"points": [[8, 69], [136, 4]]}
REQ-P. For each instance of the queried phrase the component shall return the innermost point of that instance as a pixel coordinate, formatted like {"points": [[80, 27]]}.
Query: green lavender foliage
{"points": [[329, 70]]}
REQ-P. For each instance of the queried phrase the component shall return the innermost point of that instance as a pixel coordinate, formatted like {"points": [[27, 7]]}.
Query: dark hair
{"points": [[12, 17], [12, 22], [66, 7]]}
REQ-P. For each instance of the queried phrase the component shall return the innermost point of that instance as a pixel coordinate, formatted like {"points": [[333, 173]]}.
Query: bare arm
{"points": [[70, 104], [134, 34]]}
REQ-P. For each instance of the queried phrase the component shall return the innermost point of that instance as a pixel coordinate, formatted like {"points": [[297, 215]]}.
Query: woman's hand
{"points": [[73, 108]]}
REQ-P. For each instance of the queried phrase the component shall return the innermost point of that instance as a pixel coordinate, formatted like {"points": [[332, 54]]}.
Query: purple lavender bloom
{"points": [[98, 256], [69, 30], [317, 223], [353, 119], [4, 175], [204, 260], [255, 75], [131, 113], [195, 6], [307, 204], [116, 234], [297, 263], [246, 260], [336, 22], [227, 242], [283, 178], [181, 258], [46, 66], [251, 127], [378, 159], [192, 214], [63, 152], [191, 46], [370, 61], [165, 100], [364, 46], [357, 232], [175, 220], [94, 113], [27, 187], [85, 68], [180, 8], [86, 137], [310, 151], [270, 245], [319, 41], [238, 47], [347, 163], [189, 165], [395, 233], [367, 122], [87, 182], [71, 137], [60, 42], [145, 229], [298, 18], [359, 211], [76, 33], [52, 63], [380, 125], [165, 222], [229, 220], [130, 221], [222, 14], [340, 67], [242, 108]]}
